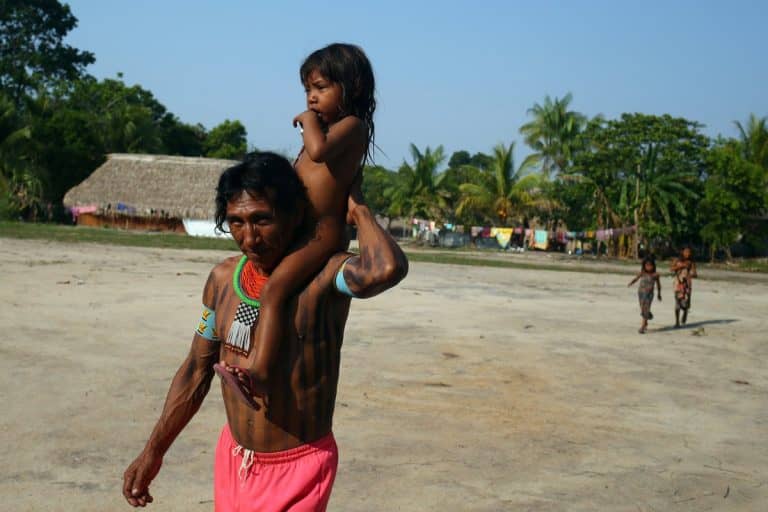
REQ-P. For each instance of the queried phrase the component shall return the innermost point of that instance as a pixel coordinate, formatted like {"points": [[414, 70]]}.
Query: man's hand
{"points": [[138, 476]]}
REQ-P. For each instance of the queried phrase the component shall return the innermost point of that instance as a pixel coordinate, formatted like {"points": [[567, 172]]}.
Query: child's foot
{"points": [[641, 330]]}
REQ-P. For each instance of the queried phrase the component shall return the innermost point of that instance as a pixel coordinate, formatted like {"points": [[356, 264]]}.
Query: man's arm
{"points": [[381, 263], [189, 387]]}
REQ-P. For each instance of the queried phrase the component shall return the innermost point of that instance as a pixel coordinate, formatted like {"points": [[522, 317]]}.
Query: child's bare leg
{"points": [[293, 271]]}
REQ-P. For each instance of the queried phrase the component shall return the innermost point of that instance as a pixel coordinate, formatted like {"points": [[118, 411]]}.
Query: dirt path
{"points": [[466, 388]]}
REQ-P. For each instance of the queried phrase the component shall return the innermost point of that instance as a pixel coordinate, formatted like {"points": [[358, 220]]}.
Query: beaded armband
{"points": [[207, 326], [341, 283]]}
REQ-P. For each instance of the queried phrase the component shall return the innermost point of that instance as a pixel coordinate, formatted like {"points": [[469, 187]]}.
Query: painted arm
{"points": [[323, 145], [188, 389], [381, 263], [634, 280]]}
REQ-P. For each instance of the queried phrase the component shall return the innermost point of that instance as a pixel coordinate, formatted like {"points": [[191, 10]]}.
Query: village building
{"points": [[150, 192]]}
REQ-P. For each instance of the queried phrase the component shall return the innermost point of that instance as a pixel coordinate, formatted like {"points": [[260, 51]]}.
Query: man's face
{"points": [[686, 253], [262, 233]]}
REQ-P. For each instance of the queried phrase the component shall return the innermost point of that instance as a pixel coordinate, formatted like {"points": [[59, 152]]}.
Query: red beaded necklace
{"points": [[251, 281]]}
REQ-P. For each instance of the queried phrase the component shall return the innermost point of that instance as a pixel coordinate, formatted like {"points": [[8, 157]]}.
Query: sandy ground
{"points": [[464, 389]]}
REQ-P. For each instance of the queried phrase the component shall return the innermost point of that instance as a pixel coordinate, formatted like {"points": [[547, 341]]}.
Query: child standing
{"points": [[648, 279], [338, 132]]}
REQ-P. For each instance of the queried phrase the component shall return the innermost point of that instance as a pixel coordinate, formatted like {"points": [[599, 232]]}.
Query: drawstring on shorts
{"points": [[249, 457]]}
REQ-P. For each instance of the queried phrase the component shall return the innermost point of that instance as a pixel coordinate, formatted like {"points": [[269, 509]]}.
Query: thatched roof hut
{"points": [[151, 185]]}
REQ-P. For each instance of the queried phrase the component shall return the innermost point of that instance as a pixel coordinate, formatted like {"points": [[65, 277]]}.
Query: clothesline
{"points": [[538, 238]]}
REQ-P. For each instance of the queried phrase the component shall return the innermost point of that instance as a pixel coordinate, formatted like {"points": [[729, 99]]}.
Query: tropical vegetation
{"points": [[657, 173]]}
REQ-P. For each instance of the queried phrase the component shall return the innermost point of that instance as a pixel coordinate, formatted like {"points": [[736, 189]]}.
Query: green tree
{"points": [[642, 170], [754, 140], [502, 192], [183, 139], [458, 159], [75, 126], [376, 180], [418, 190], [733, 193], [553, 134], [20, 189], [33, 55], [226, 140]]}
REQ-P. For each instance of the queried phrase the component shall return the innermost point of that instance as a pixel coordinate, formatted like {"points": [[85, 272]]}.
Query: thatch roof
{"points": [[181, 187]]}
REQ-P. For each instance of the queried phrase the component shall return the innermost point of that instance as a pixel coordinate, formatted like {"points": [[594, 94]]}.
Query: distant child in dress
{"points": [[685, 270], [338, 132], [648, 279]]}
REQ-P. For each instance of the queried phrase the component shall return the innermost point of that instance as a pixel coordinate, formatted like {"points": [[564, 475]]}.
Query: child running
{"points": [[338, 132], [685, 270], [648, 278]]}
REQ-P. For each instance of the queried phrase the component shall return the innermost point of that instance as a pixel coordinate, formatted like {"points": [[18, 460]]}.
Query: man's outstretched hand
{"points": [[138, 476]]}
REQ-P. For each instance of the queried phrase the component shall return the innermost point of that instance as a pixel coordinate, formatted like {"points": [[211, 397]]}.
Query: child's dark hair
{"points": [[264, 173], [648, 259], [348, 66]]}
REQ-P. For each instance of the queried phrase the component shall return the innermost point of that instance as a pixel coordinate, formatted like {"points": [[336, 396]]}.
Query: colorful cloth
{"points": [[78, 210], [683, 288], [541, 239], [503, 235], [645, 294], [296, 480]]}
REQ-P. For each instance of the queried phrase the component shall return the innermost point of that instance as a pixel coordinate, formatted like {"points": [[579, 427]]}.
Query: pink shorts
{"points": [[299, 479]]}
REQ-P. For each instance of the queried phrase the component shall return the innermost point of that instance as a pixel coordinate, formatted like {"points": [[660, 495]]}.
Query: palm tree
{"points": [[418, 190], [754, 140], [656, 191], [553, 133], [501, 191]]}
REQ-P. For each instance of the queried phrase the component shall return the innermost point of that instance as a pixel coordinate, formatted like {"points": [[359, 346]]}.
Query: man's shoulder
{"points": [[225, 267], [217, 281]]}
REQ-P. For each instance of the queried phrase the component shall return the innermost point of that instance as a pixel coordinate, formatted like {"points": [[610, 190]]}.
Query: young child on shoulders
{"points": [[338, 138], [648, 278]]}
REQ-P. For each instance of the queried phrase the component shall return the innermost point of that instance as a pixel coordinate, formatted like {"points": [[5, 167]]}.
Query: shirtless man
{"points": [[280, 455]]}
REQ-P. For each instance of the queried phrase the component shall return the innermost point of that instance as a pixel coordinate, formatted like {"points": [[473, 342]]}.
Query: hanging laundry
{"points": [[541, 240], [503, 235], [78, 210]]}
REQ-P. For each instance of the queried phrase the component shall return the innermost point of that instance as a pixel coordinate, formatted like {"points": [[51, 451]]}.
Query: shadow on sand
{"points": [[694, 325]]}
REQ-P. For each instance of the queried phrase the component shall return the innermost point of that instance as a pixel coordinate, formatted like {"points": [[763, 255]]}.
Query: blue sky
{"points": [[457, 73]]}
